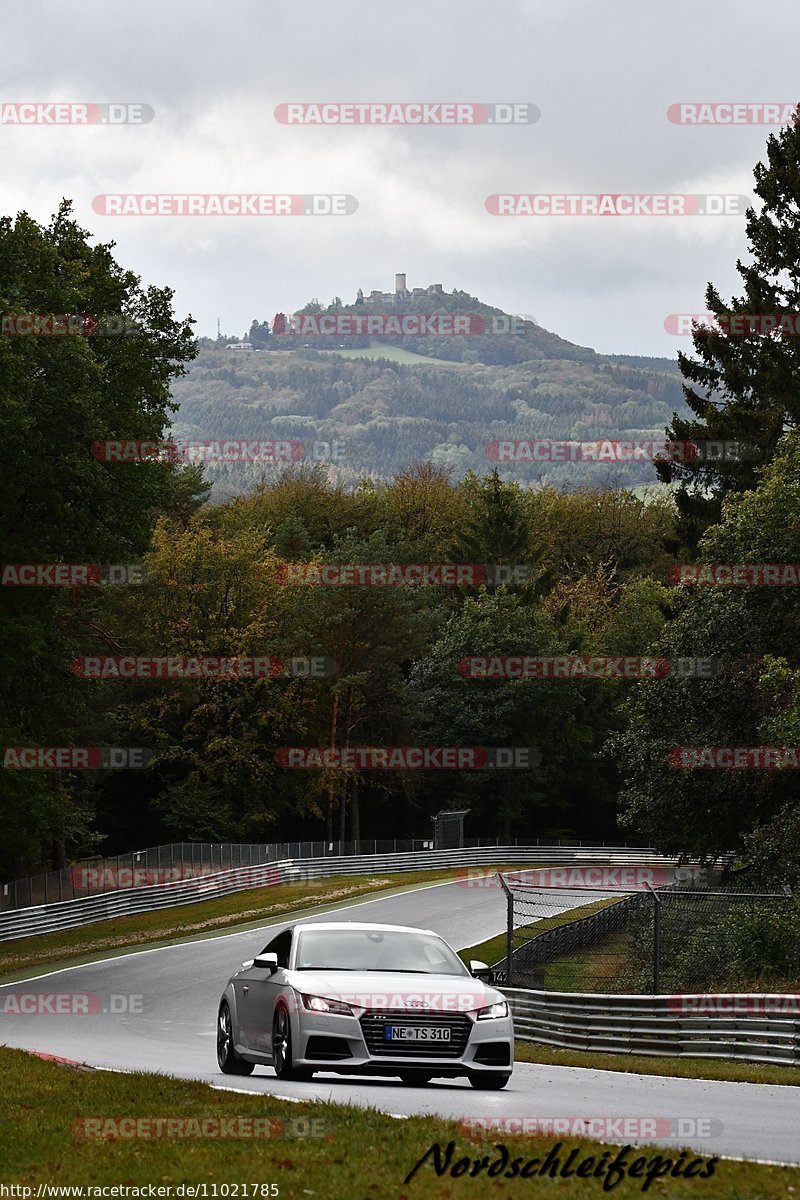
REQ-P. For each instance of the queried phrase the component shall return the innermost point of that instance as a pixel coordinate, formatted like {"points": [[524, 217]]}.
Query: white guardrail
{"points": [[754, 1028], [86, 910]]}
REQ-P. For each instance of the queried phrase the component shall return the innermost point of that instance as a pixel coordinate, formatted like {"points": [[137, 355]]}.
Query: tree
{"points": [[291, 538], [214, 591], [259, 334], [452, 710], [60, 503], [743, 386], [496, 527], [753, 631], [372, 634]]}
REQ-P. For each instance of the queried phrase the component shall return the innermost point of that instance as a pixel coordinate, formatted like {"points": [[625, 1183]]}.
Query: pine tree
{"points": [[291, 538], [743, 387]]}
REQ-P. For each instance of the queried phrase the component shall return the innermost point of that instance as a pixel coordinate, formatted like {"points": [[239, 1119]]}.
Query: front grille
{"points": [[373, 1026]]}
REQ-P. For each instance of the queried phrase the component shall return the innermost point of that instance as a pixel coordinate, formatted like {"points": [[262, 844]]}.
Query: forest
{"points": [[155, 563]]}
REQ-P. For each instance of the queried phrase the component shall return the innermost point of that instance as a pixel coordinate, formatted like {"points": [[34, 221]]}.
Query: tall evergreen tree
{"points": [[742, 386]]}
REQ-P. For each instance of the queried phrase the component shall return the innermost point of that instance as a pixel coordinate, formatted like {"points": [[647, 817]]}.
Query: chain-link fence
{"points": [[690, 933], [186, 860], [174, 861]]}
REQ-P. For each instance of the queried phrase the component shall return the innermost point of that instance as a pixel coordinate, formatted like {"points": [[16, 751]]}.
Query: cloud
{"points": [[603, 77]]}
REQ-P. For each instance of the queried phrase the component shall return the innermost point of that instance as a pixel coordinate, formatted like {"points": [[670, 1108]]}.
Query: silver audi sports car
{"points": [[365, 1000]]}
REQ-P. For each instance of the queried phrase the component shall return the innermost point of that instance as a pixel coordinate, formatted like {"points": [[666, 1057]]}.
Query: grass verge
{"points": [[493, 949], [192, 920], [597, 968], [355, 1154], [240, 910], [727, 1069]]}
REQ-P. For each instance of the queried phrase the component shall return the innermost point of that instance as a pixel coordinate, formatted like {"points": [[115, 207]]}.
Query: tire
{"points": [[489, 1081], [415, 1078], [229, 1061], [282, 1058]]}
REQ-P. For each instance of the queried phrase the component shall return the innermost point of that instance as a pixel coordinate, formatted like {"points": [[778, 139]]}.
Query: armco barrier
{"points": [[762, 1031], [68, 914], [183, 860]]}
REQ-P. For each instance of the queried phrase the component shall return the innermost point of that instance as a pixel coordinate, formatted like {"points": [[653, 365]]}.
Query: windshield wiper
{"points": [[379, 970], [400, 971], [319, 967]]}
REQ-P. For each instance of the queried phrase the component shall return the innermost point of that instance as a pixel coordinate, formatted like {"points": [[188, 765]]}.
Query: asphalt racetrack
{"points": [[155, 1010]]}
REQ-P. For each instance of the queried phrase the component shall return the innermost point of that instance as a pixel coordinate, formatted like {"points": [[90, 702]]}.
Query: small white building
{"points": [[239, 346]]}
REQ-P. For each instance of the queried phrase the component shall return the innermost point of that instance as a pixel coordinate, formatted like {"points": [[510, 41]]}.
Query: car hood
{"points": [[397, 990]]}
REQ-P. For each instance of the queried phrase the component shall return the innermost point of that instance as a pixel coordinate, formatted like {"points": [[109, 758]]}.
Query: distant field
{"points": [[395, 354], [652, 491]]}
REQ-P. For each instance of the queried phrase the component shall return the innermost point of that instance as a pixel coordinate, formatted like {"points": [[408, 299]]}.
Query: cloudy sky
{"points": [[603, 76]]}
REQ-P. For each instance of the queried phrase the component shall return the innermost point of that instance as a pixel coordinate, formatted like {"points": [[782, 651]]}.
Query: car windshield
{"points": [[376, 950]]}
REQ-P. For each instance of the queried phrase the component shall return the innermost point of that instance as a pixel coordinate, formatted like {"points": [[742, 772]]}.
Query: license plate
{"points": [[416, 1033]]}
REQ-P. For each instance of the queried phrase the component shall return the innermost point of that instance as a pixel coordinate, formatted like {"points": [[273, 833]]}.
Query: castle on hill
{"points": [[400, 293]]}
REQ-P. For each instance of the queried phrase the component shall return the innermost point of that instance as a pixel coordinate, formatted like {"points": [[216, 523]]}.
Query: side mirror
{"points": [[480, 970], [268, 961]]}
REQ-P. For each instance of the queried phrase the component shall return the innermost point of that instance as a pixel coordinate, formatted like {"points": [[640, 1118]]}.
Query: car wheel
{"points": [[282, 1058], [489, 1081], [415, 1078], [229, 1061]]}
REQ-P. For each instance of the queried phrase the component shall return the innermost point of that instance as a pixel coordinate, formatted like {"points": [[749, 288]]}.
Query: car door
{"points": [[242, 987], [264, 987]]}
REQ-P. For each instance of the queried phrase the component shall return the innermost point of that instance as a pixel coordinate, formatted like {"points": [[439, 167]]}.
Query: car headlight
{"points": [[323, 1005], [493, 1011]]}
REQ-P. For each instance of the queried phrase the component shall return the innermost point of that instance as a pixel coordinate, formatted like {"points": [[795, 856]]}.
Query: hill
{"points": [[389, 401]]}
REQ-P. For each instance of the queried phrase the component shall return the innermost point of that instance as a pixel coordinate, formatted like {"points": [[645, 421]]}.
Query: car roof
{"points": [[365, 925]]}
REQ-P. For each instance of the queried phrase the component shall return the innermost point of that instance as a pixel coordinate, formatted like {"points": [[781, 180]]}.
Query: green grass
{"points": [[593, 969], [356, 1155], [394, 354], [493, 949], [727, 1069]]}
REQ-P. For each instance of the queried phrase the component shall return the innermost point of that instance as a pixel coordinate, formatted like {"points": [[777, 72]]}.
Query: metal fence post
{"points": [[656, 940], [509, 929]]}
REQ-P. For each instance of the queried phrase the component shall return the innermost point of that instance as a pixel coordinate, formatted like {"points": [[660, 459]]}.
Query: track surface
{"points": [[166, 1000]]}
